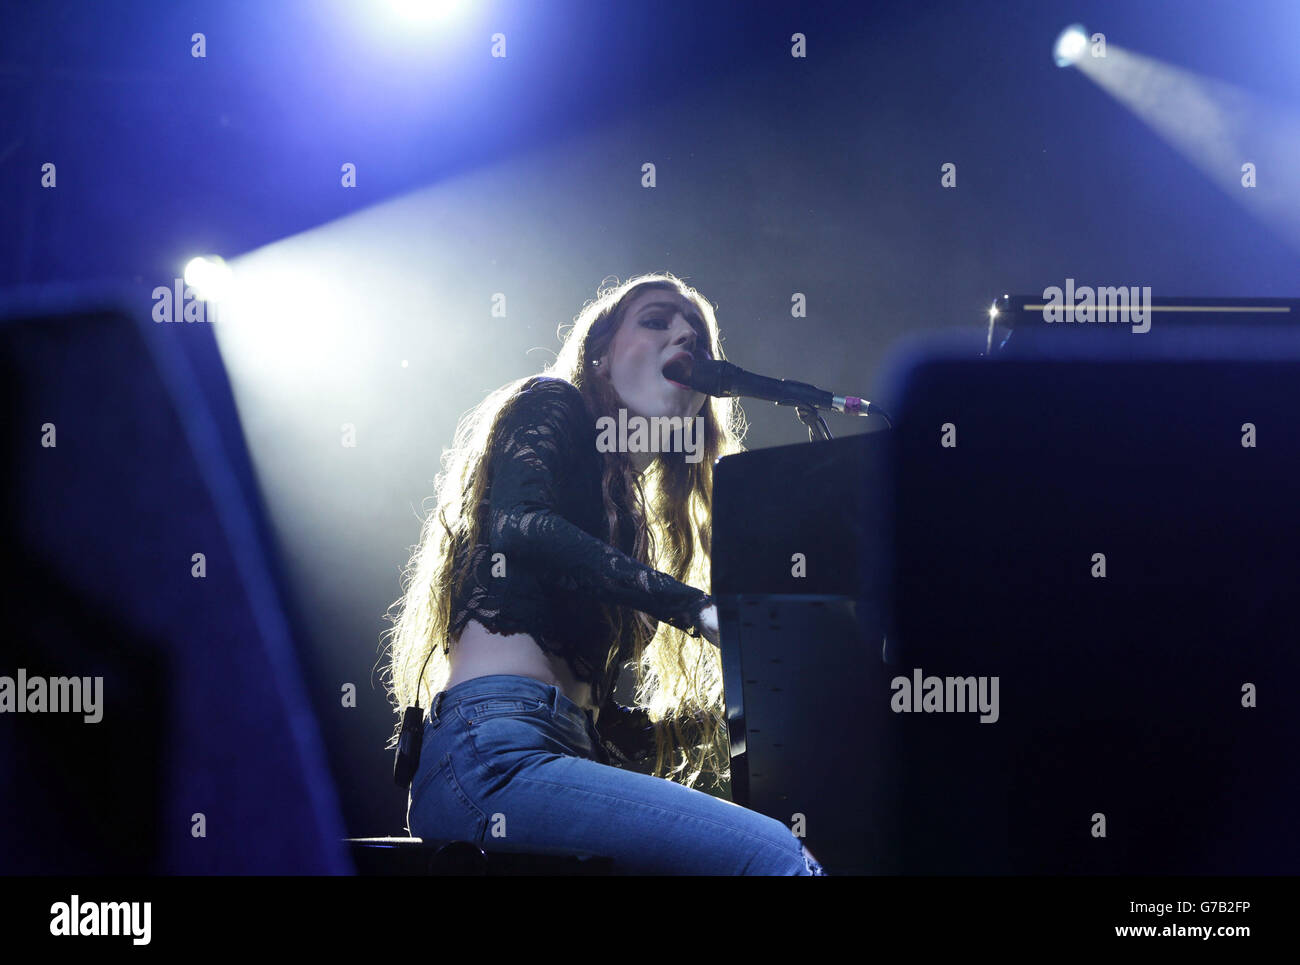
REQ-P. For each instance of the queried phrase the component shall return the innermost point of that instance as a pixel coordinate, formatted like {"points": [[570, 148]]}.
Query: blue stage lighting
{"points": [[426, 10], [1070, 45], [209, 276]]}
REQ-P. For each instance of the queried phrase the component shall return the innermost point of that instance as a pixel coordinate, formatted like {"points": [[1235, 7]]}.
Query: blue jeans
{"points": [[512, 764]]}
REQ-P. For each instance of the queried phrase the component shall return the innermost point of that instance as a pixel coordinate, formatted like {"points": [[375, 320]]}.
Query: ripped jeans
{"points": [[512, 764]]}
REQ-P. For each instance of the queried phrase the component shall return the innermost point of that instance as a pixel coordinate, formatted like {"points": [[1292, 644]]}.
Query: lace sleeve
{"points": [[628, 733], [533, 439]]}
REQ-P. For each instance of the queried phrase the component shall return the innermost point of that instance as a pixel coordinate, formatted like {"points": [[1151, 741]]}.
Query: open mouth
{"points": [[685, 357]]}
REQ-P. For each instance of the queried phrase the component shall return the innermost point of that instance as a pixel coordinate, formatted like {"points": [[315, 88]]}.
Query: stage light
{"points": [[1070, 45], [1226, 131], [209, 276], [425, 10]]}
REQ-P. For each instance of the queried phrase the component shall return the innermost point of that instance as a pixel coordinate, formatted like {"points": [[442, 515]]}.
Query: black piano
{"points": [[1047, 625]]}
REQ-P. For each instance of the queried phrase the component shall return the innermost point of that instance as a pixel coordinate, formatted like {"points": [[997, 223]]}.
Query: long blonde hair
{"points": [[678, 677]]}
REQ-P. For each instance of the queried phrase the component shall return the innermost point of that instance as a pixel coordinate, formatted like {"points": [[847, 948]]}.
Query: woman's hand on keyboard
{"points": [[708, 624]]}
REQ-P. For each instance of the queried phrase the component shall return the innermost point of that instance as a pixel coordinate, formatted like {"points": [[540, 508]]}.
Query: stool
{"points": [[419, 856]]}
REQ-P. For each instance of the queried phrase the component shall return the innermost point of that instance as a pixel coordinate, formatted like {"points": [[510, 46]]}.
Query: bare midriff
{"points": [[480, 652]]}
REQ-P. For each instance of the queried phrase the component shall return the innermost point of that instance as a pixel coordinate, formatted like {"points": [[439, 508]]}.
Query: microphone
{"points": [[725, 379]]}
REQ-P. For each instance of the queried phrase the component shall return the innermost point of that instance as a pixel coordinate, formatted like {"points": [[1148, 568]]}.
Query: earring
{"points": [[595, 361]]}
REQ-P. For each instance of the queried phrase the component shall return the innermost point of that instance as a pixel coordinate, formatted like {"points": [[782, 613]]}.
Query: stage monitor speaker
{"points": [[1111, 537], [154, 718]]}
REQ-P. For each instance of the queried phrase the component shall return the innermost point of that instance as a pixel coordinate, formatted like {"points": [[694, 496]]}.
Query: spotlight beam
{"points": [[1243, 145]]}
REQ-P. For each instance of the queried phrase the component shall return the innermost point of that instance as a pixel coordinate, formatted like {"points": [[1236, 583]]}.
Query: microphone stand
{"points": [[817, 428]]}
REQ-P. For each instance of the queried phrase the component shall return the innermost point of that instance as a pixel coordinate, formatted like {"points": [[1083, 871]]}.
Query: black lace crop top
{"points": [[555, 569]]}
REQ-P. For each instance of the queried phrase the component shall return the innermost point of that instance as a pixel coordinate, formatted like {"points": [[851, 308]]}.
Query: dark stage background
{"points": [[479, 176]]}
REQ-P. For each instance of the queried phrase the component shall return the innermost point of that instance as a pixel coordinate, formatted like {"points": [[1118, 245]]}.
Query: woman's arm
{"points": [[631, 732], [533, 440]]}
